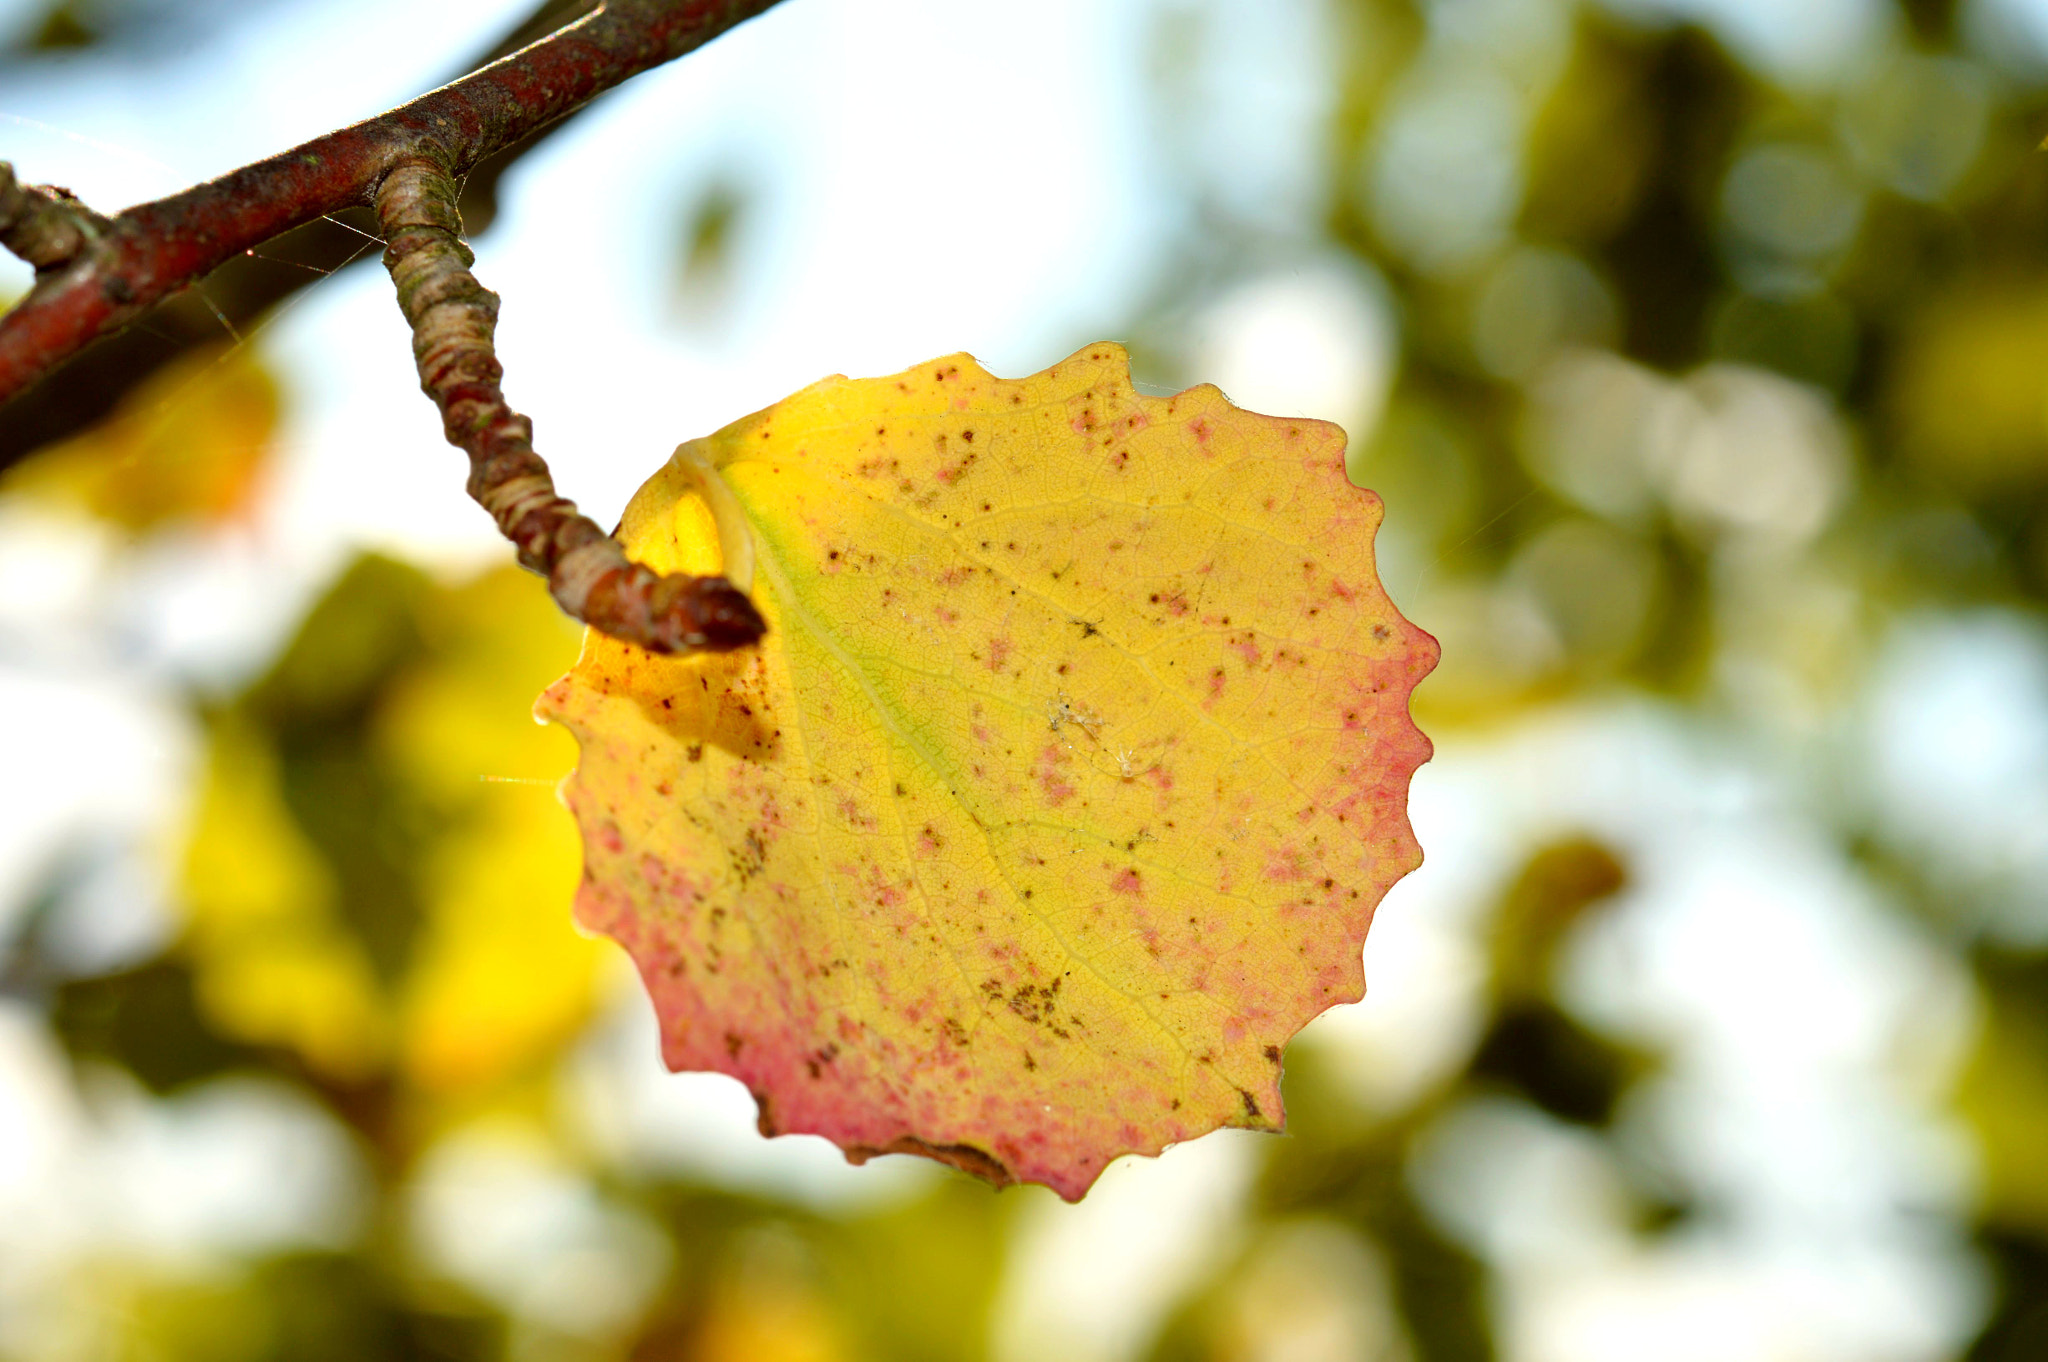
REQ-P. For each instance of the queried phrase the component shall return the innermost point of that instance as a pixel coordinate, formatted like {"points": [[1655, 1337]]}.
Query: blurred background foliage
{"points": [[1688, 378]]}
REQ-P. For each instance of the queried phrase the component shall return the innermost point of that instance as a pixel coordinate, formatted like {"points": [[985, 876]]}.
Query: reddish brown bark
{"points": [[95, 275]]}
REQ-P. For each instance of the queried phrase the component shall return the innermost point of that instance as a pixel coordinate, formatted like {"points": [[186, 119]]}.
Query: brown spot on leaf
{"points": [[819, 1060]]}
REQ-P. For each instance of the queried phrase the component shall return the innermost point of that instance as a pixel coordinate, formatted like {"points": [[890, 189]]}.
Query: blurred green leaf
{"points": [[146, 1020]]}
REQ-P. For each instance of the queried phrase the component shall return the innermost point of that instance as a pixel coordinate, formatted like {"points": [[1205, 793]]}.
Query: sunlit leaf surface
{"points": [[1060, 795]]}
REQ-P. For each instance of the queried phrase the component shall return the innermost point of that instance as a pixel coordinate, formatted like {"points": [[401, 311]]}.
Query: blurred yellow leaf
{"points": [[377, 865], [274, 965], [1550, 896], [1968, 394], [767, 1309], [1061, 792], [2004, 1093], [186, 444], [497, 976]]}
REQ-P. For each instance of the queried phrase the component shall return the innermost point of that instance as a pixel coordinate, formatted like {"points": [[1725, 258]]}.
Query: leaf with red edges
{"points": [[1059, 795]]}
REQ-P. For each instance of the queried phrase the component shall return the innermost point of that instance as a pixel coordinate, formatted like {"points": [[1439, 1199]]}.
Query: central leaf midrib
{"points": [[770, 559]]}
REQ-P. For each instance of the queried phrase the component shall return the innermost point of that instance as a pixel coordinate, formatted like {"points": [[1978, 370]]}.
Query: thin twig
{"points": [[453, 320]]}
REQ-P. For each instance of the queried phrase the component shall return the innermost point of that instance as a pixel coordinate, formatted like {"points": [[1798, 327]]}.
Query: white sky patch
{"points": [[1707, 1302], [1955, 743], [52, 569], [1092, 1282], [232, 1167], [213, 608], [1249, 114], [1317, 340], [90, 758], [1531, 1193], [495, 1207]]}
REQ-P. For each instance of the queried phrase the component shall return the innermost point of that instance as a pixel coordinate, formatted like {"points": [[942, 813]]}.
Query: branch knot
{"points": [[45, 225]]}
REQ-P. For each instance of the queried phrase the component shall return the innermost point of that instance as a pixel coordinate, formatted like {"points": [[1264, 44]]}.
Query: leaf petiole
{"points": [[735, 537]]}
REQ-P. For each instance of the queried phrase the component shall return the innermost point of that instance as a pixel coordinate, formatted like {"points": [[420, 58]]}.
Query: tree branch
{"points": [[246, 287], [154, 249], [95, 275]]}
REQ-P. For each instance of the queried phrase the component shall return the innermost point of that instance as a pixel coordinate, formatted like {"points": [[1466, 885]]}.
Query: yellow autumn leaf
{"points": [[1966, 392], [273, 963], [376, 865], [497, 978], [187, 444], [2003, 1092], [1059, 795]]}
